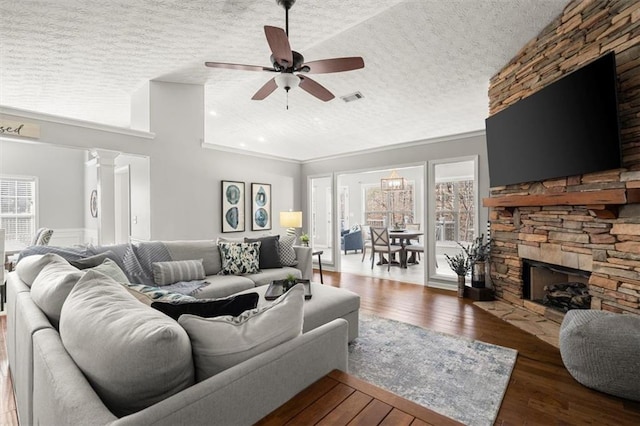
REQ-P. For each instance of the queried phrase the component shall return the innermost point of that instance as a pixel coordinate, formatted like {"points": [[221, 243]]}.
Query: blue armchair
{"points": [[351, 241]]}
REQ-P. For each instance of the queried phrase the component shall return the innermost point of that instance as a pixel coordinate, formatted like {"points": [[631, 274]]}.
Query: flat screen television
{"points": [[569, 127]]}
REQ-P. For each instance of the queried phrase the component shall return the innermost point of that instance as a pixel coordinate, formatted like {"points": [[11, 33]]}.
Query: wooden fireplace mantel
{"points": [[604, 203]]}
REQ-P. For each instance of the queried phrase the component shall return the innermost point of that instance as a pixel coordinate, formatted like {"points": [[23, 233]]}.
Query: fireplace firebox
{"points": [[554, 286]]}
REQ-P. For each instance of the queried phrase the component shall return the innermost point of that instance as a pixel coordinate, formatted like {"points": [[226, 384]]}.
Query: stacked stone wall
{"points": [[575, 235]]}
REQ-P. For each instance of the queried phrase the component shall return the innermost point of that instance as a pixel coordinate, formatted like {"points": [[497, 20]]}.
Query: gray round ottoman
{"points": [[601, 350]]}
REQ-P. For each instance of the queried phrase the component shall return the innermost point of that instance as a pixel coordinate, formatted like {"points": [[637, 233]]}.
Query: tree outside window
{"points": [[455, 211], [386, 208]]}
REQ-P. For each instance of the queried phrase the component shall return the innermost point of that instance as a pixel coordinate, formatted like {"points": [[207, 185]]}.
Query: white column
{"points": [[105, 165]]}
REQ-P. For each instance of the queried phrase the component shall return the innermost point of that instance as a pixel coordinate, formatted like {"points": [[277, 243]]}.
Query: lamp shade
{"points": [[291, 219]]}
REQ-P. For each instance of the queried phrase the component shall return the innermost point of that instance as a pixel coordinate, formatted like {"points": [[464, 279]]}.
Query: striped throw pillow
{"points": [[165, 273]]}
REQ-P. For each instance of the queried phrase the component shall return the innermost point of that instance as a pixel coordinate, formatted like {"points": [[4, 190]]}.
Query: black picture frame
{"points": [[232, 206], [261, 219]]}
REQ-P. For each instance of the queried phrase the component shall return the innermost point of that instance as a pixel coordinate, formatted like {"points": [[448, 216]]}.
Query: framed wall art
{"points": [[93, 203], [232, 206], [260, 206]]}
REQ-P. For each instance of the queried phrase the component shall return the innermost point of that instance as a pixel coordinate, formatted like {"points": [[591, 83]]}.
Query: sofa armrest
{"points": [[245, 393], [305, 261]]}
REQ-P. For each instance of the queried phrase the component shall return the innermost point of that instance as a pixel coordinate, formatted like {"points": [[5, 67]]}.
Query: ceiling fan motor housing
{"points": [[298, 60]]}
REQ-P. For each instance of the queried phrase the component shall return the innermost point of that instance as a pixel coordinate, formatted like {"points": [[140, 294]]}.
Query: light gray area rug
{"points": [[461, 378]]}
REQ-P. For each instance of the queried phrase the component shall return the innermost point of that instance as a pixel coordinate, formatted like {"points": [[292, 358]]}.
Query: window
{"points": [[18, 209], [386, 208]]}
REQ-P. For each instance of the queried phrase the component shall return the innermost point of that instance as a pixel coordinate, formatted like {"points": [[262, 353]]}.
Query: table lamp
{"points": [[291, 221]]}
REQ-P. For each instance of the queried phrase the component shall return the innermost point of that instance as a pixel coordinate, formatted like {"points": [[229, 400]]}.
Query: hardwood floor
{"points": [[541, 391]]}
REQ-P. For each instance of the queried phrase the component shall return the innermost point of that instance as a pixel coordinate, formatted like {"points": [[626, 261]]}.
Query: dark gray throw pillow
{"points": [[269, 251], [233, 306]]}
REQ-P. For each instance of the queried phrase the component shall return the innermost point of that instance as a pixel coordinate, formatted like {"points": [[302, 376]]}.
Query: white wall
{"points": [[140, 195], [60, 174], [185, 179]]}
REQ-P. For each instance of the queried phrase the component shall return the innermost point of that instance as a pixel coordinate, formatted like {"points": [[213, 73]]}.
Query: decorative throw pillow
{"points": [[233, 306], [91, 261], [165, 273], [354, 228], [44, 237], [239, 258], [148, 294], [221, 342], [52, 286], [29, 267], [132, 356], [287, 253], [111, 269], [269, 251]]}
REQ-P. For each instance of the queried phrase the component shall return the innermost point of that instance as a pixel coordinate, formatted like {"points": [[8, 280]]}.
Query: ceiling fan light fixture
{"points": [[287, 81]]}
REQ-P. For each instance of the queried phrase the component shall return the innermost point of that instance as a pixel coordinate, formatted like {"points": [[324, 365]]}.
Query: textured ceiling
{"points": [[427, 64]]}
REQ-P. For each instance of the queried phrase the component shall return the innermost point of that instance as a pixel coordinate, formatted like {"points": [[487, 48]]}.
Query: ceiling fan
{"points": [[289, 64]]}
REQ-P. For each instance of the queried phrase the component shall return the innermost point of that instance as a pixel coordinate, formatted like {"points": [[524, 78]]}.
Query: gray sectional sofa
{"points": [[53, 387]]}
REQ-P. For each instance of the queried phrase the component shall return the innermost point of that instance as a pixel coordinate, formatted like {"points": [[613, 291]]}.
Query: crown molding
{"points": [[50, 118]]}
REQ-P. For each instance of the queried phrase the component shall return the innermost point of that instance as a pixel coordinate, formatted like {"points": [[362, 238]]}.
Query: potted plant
{"points": [[460, 264], [289, 281], [304, 239], [478, 254]]}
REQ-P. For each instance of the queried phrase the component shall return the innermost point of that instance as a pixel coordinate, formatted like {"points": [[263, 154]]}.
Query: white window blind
{"points": [[18, 209]]}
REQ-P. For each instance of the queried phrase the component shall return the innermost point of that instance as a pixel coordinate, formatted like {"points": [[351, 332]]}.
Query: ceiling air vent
{"points": [[352, 97]]}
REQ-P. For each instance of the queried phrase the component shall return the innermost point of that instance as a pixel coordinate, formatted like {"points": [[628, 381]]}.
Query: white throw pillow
{"points": [[133, 355], [52, 286], [29, 267], [221, 342]]}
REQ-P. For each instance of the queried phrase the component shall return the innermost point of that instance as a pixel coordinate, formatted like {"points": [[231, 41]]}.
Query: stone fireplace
{"points": [[588, 223]]}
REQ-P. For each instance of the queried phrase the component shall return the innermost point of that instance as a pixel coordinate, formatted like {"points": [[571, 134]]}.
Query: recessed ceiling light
{"points": [[242, 144], [261, 139], [213, 113]]}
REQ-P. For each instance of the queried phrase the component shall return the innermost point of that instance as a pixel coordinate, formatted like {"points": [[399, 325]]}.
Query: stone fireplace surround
{"points": [[554, 223]]}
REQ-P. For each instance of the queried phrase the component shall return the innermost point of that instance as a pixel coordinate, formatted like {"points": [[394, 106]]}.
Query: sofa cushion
{"points": [[29, 267], [287, 253], [132, 355], [269, 251], [52, 286], [221, 342], [207, 250], [165, 273], [223, 286], [207, 308], [148, 294], [239, 258], [111, 269]]}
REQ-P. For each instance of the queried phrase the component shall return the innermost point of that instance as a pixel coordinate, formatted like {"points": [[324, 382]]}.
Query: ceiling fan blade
{"points": [[237, 66], [325, 66], [315, 89], [265, 90], [279, 45]]}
